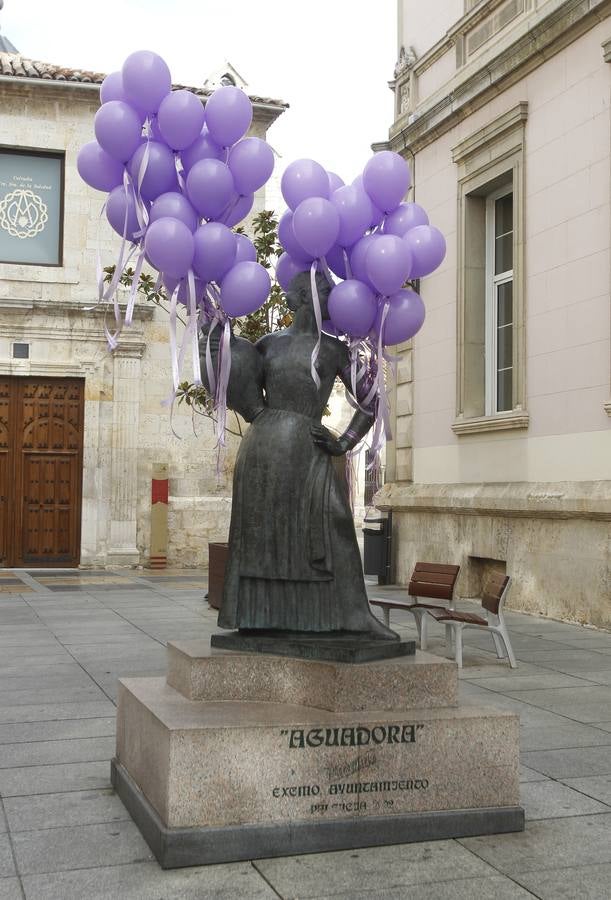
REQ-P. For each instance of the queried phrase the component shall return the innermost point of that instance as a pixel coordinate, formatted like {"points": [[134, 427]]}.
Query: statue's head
{"points": [[300, 292]]}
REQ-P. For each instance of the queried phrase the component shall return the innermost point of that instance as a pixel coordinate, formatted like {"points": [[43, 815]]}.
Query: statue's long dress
{"points": [[294, 562]]}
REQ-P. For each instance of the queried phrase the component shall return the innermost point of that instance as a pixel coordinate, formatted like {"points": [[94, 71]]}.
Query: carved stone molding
{"points": [[501, 422]]}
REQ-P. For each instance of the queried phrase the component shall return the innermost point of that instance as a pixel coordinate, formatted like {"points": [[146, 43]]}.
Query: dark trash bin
{"points": [[377, 536]]}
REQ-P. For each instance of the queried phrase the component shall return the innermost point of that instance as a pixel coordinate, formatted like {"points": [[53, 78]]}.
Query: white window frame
{"points": [[493, 282]]}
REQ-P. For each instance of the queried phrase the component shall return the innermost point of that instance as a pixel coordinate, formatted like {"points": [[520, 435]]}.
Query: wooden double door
{"points": [[41, 469]]}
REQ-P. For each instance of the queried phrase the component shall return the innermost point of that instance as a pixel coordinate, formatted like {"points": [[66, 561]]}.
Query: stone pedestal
{"points": [[237, 756]]}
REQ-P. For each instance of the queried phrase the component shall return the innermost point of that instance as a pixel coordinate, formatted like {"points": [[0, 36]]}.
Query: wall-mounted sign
{"points": [[31, 207]]}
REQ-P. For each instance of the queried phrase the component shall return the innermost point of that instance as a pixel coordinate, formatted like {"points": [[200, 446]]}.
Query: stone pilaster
{"points": [[122, 549]]}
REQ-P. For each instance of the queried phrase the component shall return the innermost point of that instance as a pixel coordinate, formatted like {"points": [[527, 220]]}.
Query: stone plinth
{"points": [[416, 681], [238, 756]]}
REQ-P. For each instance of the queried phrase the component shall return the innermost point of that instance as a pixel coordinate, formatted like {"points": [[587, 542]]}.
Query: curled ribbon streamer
{"points": [[318, 317], [181, 181], [224, 370], [141, 210], [209, 365], [327, 271], [194, 326], [133, 292], [173, 340]]}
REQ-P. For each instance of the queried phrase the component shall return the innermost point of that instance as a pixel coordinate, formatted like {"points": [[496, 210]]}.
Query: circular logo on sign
{"points": [[23, 214]]}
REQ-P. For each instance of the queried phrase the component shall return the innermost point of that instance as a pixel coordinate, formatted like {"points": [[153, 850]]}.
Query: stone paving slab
{"points": [[7, 866], [64, 810], [499, 888], [29, 780], [330, 874], [597, 786], [583, 704], [584, 882], [564, 736], [10, 889], [146, 881], [57, 849], [44, 753], [56, 711], [547, 844], [570, 763], [551, 800]]}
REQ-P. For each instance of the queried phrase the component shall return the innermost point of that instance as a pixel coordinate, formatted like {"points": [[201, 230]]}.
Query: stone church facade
{"points": [[80, 427], [502, 450]]}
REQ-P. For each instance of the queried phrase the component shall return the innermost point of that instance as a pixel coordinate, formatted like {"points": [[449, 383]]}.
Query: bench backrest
{"points": [[433, 580], [495, 591]]}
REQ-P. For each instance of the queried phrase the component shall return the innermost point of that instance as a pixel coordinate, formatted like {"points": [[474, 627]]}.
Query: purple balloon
{"points": [[251, 162], [174, 206], [386, 178], [377, 215], [237, 209], [427, 246], [337, 261], [119, 204], [112, 89], [335, 182], [287, 268], [210, 187], [355, 213], [228, 115], [287, 238], [352, 307], [203, 147], [160, 173], [316, 225], [215, 249], [405, 316], [118, 129], [146, 80], [358, 256], [388, 263], [170, 284], [245, 288], [245, 251], [406, 216], [169, 246], [180, 119], [304, 178], [97, 168]]}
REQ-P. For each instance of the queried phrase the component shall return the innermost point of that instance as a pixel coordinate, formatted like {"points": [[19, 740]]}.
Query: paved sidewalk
{"points": [[65, 638]]}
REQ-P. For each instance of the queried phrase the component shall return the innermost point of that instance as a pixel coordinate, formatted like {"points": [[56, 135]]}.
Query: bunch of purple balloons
{"points": [[365, 235], [179, 177]]}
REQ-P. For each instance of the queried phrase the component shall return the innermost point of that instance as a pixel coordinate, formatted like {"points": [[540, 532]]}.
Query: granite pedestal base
{"points": [[238, 756]]}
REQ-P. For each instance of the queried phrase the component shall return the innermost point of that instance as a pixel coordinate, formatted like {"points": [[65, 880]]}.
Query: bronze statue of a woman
{"points": [[294, 564]]}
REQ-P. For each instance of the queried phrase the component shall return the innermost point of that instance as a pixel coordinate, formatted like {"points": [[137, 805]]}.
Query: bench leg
{"points": [[505, 637], [421, 621], [449, 636], [458, 643], [498, 645], [386, 612]]}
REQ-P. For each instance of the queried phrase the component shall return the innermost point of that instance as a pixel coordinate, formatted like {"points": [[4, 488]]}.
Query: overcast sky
{"points": [[330, 59]]}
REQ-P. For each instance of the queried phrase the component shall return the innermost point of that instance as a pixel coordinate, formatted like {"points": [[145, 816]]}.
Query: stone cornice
{"points": [[546, 38], [509, 121], [15, 307], [544, 500]]}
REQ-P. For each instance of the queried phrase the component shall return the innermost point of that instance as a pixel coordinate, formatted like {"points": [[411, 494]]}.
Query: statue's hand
{"points": [[325, 440]]}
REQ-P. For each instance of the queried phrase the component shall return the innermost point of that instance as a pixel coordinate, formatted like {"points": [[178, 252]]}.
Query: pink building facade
{"points": [[502, 450]]}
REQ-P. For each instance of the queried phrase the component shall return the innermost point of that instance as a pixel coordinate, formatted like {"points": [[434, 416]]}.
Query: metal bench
{"points": [[429, 581], [493, 600]]}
